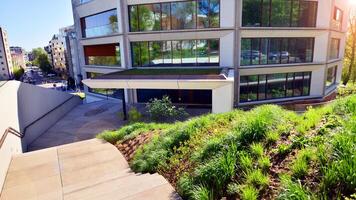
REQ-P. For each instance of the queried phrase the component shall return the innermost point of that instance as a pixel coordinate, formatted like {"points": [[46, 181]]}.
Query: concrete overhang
{"points": [[177, 81]]}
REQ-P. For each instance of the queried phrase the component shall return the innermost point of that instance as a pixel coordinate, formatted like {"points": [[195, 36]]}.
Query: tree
{"points": [[18, 72], [41, 60], [43, 63], [349, 72]]}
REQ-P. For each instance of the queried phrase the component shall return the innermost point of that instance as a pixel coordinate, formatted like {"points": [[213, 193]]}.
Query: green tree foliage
{"points": [[349, 73], [41, 60], [18, 72]]}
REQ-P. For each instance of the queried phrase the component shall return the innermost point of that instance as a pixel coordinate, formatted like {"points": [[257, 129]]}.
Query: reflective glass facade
{"points": [[262, 51], [274, 86], [279, 13], [101, 24], [112, 93], [175, 15], [102, 55], [331, 76], [177, 52], [334, 48]]}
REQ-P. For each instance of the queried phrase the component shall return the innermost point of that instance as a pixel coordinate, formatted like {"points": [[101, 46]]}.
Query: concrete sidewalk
{"points": [[82, 123], [88, 170]]}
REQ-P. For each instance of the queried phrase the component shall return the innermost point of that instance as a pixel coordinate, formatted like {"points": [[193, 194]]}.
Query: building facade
{"points": [[69, 36], [223, 53], [18, 57], [6, 68], [56, 51]]}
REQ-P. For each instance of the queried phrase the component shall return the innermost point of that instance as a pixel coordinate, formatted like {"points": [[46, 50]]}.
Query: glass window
{"points": [[246, 51], [177, 53], [167, 52], [183, 15], [251, 13], [306, 83], [188, 52], [203, 51], [298, 84], [262, 81], [276, 50], [334, 48], [133, 18], [104, 23], [244, 89], [105, 55], [290, 85], [331, 76], [175, 15], [156, 53], [276, 86], [253, 87], [166, 16], [279, 13], [214, 51], [149, 17], [214, 13]]}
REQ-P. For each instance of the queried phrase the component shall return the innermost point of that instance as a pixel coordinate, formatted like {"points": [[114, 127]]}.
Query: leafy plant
{"points": [[164, 110], [134, 115], [264, 163], [257, 149], [257, 178], [292, 190], [248, 192]]}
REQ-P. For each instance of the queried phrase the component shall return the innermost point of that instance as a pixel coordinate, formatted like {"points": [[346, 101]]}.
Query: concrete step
{"points": [[91, 169]]}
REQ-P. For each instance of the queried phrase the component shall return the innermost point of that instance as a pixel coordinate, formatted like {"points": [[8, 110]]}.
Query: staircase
{"points": [[91, 169]]}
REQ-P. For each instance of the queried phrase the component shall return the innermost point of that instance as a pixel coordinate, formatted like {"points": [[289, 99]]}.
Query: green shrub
{"points": [[272, 137], [185, 186], [300, 164], [18, 72], [134, 115], [202, 193], [284, 149], [264, 163], [257, 149], [257, 178], [164, 110], [293, 191], [248, 192], [245, 161]]}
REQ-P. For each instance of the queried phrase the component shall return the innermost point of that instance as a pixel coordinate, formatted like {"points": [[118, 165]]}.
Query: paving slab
{"points": [[92, 169]]}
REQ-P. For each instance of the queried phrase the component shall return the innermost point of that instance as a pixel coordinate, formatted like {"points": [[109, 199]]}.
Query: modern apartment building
{"points": [[56, 51], [219, 53], [6, 69], [18, 57]]}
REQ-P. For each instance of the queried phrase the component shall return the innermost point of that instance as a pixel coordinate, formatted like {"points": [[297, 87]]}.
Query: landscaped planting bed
{"points": [[264, 153]]}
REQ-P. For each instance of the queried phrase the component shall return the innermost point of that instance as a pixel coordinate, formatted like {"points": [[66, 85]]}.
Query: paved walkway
{"points": [[82, 123], [90, 170]]}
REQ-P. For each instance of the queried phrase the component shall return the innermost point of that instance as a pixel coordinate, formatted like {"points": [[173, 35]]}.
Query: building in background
{"points": [[6, 68], [56, 51], [18, 57], [71, 53], [221, 53]]}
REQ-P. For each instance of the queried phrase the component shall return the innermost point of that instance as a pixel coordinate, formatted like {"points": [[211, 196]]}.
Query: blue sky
{"points": [[32, 23]]}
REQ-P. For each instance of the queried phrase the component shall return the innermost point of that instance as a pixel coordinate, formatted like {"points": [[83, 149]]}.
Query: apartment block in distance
{"points": [[6, 69], [218, 53], [56, 50], [18, 57]]}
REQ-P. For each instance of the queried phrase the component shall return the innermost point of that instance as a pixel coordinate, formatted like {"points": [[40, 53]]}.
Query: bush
{"points": [[292, 190], [164, 110], [18, 72], [248, 193], [257, 178], [134, 115]]}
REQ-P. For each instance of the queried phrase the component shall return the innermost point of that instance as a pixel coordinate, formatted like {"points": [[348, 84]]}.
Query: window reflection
{"points": [[279, 13], [274, 86], [258, 51], [331, 76], [100, 24], [177, 52], [175, 15], [334, 48]]}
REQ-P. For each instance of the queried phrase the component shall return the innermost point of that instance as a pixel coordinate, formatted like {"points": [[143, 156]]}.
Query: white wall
{"points": [[223, 99]]}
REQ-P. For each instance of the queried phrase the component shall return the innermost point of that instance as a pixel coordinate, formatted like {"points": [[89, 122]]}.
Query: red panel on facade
{"points": [[100, 50]]}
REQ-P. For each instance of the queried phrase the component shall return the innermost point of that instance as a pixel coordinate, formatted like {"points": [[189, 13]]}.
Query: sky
{"points": [[32, 23]]}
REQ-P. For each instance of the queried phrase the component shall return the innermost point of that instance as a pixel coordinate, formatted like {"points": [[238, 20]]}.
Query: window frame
{"points": [[266, 86], [82, 23], [333, 83], [172, 57], [138, 29], [268, 47]]}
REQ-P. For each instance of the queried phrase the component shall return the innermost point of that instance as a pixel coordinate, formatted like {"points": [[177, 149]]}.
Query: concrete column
{"points": [[223, 99]]}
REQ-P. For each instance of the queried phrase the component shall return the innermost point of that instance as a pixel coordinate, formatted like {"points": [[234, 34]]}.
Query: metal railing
{"points": [[6, 133]]}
